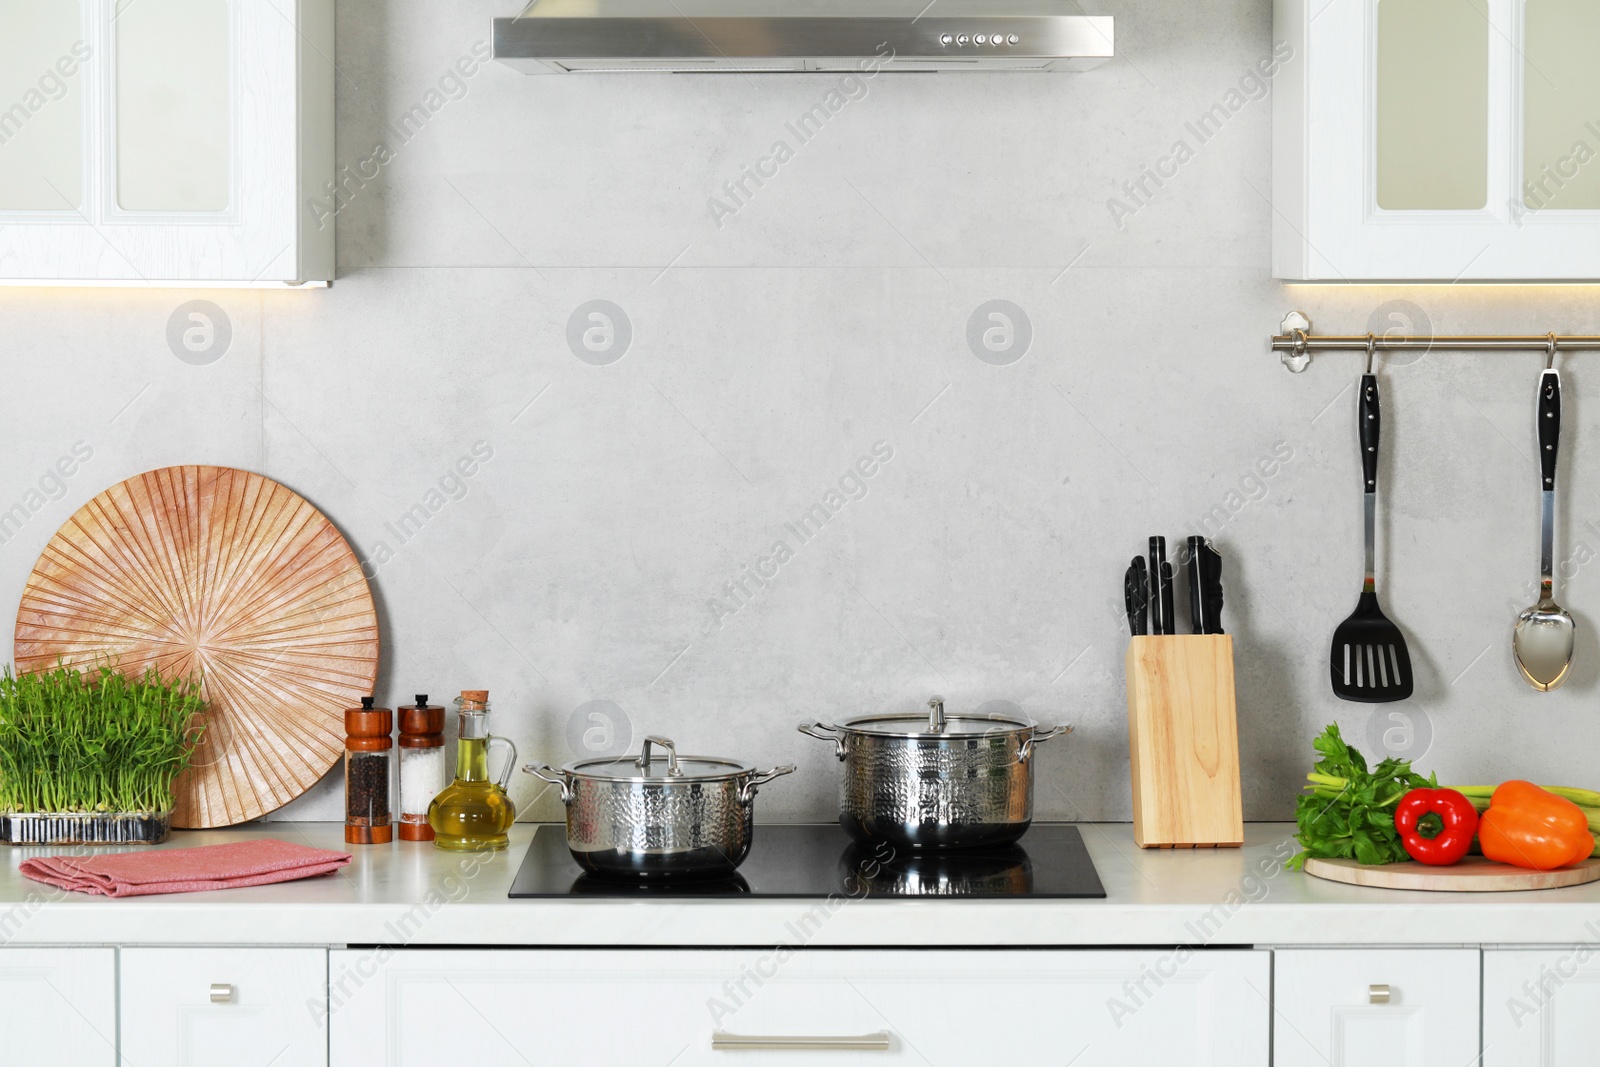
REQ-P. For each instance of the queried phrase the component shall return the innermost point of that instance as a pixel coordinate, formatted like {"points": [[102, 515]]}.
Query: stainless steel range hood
{"points": [[697, 36]]}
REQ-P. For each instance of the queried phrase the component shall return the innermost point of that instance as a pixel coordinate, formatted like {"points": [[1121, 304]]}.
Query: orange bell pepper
{"points": [[1526, 826]]}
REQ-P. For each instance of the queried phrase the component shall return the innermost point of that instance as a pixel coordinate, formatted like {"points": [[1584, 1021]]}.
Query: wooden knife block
{"points": [[1183, 741]]}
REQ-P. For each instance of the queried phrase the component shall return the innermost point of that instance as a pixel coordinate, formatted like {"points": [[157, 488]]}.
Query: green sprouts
{"points": [[96, 741]]}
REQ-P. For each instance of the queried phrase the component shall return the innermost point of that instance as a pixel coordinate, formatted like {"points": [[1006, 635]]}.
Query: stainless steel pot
{"points": [[651, 816], [935, 782]]}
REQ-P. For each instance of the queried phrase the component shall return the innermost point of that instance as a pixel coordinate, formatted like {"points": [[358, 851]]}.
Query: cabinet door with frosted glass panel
{"points": [[165, 140], [1437, 140]]}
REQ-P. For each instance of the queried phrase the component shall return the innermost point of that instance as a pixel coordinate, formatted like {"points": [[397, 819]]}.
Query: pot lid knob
{"points": [[936, 715]]}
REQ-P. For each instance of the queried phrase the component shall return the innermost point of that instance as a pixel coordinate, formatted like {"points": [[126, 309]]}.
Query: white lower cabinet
{"points": [[58, 1006], [224, 1007], [517, 1007], [1541, 1007], [1362, 1007]]}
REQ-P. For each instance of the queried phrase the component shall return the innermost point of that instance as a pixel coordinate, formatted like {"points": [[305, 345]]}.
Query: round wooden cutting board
{"points": [[1473, 874], [230, 574]]}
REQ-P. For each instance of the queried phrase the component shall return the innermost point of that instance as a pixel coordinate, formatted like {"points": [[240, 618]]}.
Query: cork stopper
{"points": [[422, 724], [367, 728], [473, 699]]}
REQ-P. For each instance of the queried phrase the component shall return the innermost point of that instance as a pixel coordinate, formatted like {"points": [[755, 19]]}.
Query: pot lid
{"points": [[936, 724], [646, 767], [963, 726]]}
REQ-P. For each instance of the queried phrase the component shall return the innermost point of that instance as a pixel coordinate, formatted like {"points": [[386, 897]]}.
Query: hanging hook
{"points": [[1372, 347], [1550, 344]]}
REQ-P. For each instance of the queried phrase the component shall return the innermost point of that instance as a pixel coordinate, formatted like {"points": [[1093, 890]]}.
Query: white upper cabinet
{"points": [[166, 141], [1437, 140]]}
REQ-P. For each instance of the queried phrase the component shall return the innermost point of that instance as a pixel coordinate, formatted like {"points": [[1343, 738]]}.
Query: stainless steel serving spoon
{"points": [[1543, 638]]}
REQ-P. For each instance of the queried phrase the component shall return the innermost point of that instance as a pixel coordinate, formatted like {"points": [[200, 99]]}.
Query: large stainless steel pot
{"points": [[651, 816], [935, 782]]}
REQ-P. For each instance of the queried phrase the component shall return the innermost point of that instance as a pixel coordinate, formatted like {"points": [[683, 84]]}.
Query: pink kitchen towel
{"points": [[185, 870]]}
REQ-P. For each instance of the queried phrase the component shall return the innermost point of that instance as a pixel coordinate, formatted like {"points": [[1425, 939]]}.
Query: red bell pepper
{"points": [[1454, 811]]}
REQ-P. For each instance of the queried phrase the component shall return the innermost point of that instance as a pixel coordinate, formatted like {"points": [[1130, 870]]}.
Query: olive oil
{"points": [[473, 813]]}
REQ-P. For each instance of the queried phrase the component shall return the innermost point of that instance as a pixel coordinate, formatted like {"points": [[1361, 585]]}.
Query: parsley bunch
{"points": [[1348, 811]]}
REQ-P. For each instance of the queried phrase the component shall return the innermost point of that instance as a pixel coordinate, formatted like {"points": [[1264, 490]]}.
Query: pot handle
{"points": [[825, 732], [1040, 735], [551, 775], [748, 791], [644, 759]]}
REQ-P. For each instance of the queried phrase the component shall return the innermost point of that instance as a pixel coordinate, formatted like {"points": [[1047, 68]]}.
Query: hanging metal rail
{"points": [[1296, 343]]}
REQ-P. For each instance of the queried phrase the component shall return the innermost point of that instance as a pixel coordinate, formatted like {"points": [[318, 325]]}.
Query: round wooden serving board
{"points": [[230, 574], [1473, 874]]}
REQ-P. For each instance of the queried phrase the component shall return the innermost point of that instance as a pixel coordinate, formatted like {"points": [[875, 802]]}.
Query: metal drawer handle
{"points": [[1377, 994], [878, 1042], [221, 993]]}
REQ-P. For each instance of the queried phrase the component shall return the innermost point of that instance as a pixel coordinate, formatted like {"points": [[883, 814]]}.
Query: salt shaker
{"points": [[367, 746], [422, 766]]}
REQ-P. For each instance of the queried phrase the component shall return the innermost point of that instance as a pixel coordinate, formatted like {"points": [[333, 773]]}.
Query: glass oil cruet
{"points": [[473, 813]]}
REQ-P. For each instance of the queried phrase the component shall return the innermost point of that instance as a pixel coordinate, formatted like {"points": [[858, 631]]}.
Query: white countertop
{"points": [[415, 894]]}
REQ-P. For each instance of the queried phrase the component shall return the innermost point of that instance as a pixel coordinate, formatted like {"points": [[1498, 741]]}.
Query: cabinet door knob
{"points": [[222, 993], [1377, 994]]}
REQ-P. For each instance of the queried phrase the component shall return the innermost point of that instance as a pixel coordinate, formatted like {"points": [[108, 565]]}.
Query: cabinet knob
{"points": [[1377, 994], [222, 993]]}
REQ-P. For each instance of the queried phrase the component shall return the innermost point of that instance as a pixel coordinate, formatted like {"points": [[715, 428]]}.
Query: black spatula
{"points": [[1369, 661]]}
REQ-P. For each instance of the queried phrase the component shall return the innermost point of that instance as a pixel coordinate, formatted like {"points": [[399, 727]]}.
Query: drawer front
{"points": [[58, 1005], [1328, 1012], [238, 1007], [1541, 1007], [955, 1007]]}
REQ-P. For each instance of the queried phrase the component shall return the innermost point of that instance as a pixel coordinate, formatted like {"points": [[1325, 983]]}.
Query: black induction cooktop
{"points": [[820, 861]]}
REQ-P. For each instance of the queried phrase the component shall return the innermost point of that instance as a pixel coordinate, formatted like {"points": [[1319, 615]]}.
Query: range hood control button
{"points": [[980, 39], [1014, 39], [947, 39], [963, 40]]}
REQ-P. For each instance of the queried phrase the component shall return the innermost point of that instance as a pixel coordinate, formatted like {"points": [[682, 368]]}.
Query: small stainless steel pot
{"points": [[652, 817], [935, 782]]}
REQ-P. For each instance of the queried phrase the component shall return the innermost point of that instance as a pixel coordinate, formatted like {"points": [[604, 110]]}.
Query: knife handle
{"points": [[1212, 577], [1141, 587], [1371, 422], [1130, 599], [1169, 625], [1549, 428], [1194, 567], [1159, 622]]}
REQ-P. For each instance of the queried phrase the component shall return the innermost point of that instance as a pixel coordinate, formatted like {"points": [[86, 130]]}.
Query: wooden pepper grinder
{"points": [[367, 752]]}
